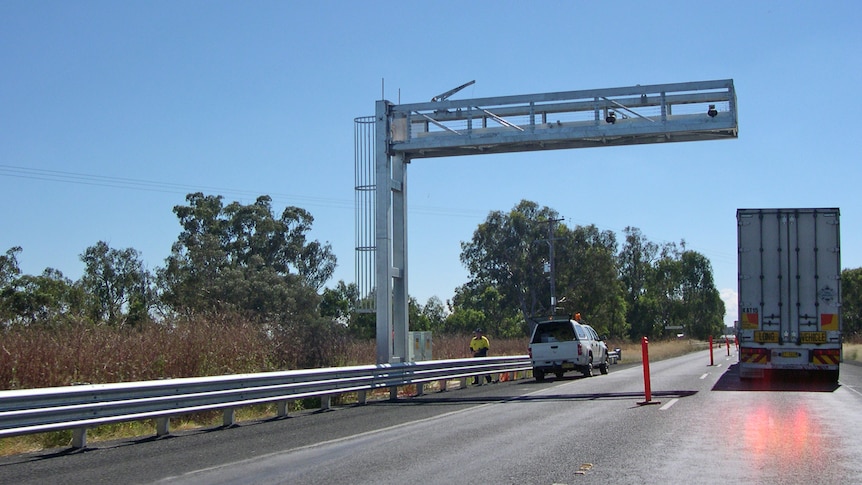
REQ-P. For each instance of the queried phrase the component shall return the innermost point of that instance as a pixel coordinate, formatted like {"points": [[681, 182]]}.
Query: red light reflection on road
{"points": [[782, 440]]}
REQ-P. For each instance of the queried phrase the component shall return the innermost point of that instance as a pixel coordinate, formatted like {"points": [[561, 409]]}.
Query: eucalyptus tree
{"points": [[243, 258], [851, 300], [702, 307], [510, 253], [506, 253], [636, 261], [588, 278], [483, 306], [49, 299], [117, 284], [9, 269]]}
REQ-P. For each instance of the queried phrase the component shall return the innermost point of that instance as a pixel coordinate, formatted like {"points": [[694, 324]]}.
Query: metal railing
{"points": [[86, 406]]}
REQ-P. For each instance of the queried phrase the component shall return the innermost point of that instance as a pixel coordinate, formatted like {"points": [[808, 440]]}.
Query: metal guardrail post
{"points": [[229, 417], [79, 437], [163, 426]]}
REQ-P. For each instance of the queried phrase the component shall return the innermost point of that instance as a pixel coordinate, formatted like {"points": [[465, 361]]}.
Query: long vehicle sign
{"points": [[813, 337], [766, 337]]}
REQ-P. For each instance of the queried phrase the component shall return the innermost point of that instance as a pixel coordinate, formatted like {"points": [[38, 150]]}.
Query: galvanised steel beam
{"points": [[633, 115]]}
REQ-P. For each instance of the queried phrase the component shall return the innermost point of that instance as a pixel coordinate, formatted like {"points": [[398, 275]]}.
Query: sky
{"points": [[111, 112]]}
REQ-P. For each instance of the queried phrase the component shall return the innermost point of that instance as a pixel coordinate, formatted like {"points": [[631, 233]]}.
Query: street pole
{"points": [[550, 241]]}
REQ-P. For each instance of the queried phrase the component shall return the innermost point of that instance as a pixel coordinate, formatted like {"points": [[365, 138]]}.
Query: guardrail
{"points": [[85, 406]]}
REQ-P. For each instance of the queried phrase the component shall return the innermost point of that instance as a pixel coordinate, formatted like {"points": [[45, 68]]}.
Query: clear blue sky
{"points": [[111, 112]]}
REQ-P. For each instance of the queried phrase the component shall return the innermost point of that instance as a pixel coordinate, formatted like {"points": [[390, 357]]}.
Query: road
{"points": [[705, 425]]}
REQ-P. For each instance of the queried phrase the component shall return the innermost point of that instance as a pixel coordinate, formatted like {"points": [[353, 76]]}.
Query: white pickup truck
{"points": [[560, 345]]}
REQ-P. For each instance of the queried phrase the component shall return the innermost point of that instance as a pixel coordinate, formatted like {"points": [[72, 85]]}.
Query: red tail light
{"points": [[580, 349]]}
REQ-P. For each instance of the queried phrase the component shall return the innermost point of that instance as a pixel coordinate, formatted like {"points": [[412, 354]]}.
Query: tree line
{"points": [[248, 261]]}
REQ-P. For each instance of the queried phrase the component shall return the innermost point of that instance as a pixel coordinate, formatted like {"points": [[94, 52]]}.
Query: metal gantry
{"points": [[443, 127]]}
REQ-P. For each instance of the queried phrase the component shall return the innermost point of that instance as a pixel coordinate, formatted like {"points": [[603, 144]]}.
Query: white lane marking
{"points": [[669, 404], [704, 376], [266, 456], [845, 386]]}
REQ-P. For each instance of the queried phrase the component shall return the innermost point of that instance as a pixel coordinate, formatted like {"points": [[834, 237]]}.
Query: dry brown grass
{"points": [[35, 357], [658, 350]]}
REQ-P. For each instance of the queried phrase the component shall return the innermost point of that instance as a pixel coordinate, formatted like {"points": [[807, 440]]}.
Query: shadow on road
{"points": [[444, 399], [774, 381]]}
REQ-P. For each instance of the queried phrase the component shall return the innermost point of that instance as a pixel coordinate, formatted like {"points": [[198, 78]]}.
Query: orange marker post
{"points": [[647, 389], [711, 359]]}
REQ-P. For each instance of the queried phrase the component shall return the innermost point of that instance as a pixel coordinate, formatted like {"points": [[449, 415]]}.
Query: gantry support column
{"points": [[391, 245]]}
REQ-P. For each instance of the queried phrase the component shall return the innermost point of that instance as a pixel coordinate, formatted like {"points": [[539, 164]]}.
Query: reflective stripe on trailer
{"points": [[754, 356], [826, 357]]}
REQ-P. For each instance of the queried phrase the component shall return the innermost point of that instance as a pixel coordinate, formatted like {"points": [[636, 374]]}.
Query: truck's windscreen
{"points": [[553, 332]]}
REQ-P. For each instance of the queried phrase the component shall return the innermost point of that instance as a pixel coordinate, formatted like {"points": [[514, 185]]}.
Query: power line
{"points": [[79, 178]]}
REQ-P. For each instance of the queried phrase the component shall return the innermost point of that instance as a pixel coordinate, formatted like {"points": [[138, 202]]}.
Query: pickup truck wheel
{"points": [[588, 372], [539, 375], [604, 367], [559, 374]]}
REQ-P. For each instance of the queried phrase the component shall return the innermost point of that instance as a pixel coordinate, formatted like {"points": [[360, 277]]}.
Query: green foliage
{"points": [[668, 286], [9, 269], [588, 278], [504, 253], [508, 253], [118, 286], [702, 309], [477, 306], [241, 258], [851, 300], [47, 299], [464, 320], [339, 304], [636, 259], [434, 313]]}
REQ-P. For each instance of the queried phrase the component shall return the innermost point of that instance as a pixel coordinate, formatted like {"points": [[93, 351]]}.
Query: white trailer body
{"points": [[789, 291]]}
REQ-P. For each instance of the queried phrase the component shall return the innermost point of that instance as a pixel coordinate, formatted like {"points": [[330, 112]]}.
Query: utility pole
{"points": [[551, 224]]}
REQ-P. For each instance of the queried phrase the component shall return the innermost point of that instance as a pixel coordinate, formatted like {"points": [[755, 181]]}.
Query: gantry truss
{"points": [[658, 113]]}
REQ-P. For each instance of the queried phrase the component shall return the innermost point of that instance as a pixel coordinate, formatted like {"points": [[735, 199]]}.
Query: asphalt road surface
{"points": [[702, 425]]}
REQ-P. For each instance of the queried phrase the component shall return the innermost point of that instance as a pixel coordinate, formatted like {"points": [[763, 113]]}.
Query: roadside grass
{"points": [[853, 352], [658, 350]]}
